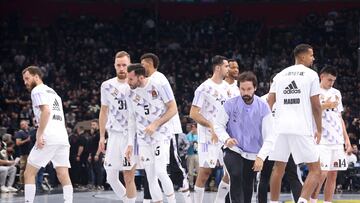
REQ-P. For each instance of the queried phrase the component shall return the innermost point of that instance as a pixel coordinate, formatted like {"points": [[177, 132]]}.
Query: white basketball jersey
{"points": [[174, 122], [332, 131], [293, 88], [113, 95], [210, 97], [233, 89], [55, 131], [147, 105]]}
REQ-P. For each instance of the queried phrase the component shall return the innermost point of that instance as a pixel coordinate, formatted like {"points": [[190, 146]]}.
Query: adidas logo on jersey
{"points": [[292, 89], [56, 106]]}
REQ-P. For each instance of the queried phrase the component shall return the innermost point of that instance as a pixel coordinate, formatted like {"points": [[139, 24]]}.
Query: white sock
{"points": [[187, 196], [30, 190], [68, 193], [223, 190], [274, 201], [302, 200], [171, 198], [130, 200], [326, 202], [199, 194], [313, 200], [147, 201]]}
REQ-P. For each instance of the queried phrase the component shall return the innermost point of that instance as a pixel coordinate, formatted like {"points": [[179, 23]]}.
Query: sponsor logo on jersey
{"points": [[56, 106], [292, 101], [292, 89]]}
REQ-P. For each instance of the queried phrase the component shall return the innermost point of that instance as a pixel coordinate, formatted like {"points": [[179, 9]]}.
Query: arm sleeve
{"points": [[103, 92], [269, 136], [166, 93], [315, 86], [199, 97], [340, 105], [40, 98], [221, 121]]}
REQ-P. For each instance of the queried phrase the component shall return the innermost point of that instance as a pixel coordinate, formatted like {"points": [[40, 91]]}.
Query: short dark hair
{"points": [[247, 76], [231, 60], [95, 121], [300, 49], [34, 70], [137, 68], [329, 70], [217, 61], [153, 57]]}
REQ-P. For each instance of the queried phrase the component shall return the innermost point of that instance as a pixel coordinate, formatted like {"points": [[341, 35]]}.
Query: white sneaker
{"points": [[4, 189], [12, 189]]}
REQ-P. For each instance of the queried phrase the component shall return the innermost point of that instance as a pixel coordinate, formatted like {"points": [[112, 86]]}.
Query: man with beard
{"points": [[113, 118], [95, 157], [208, 99], [296, 92], [51, 137], [177, 173], [151, 106], [231, 77], [245, 125]]}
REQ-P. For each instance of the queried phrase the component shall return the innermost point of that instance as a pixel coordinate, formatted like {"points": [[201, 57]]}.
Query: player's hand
{"points": [[40, 141], [214, 137], [102, 144], [150, 129], [129, 152], [348, 147], [231, 142], [258, 164], [317, 137]]}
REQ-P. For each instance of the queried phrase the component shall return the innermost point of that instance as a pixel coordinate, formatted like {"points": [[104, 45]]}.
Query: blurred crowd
{"points": [[77, 54]]}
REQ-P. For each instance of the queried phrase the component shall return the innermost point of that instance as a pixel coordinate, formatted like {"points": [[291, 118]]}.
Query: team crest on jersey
{"points": [[136, 99], [216, 93], [154, 94], [115, 92]]}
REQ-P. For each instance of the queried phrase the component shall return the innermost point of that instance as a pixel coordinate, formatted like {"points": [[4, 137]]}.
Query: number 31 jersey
{"points": [[113, 95]]}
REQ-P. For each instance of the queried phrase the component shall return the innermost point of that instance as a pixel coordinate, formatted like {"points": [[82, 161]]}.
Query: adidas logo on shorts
{"points": [[292, 89]]}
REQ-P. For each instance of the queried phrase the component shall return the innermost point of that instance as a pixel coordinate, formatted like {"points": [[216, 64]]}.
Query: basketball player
{"points": [[245, 125], [151, 106], [334, 135], [296, 92], [208, 99], [151, 63], [231, 77], [52, 142], [113, 118], [291, 170]]}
